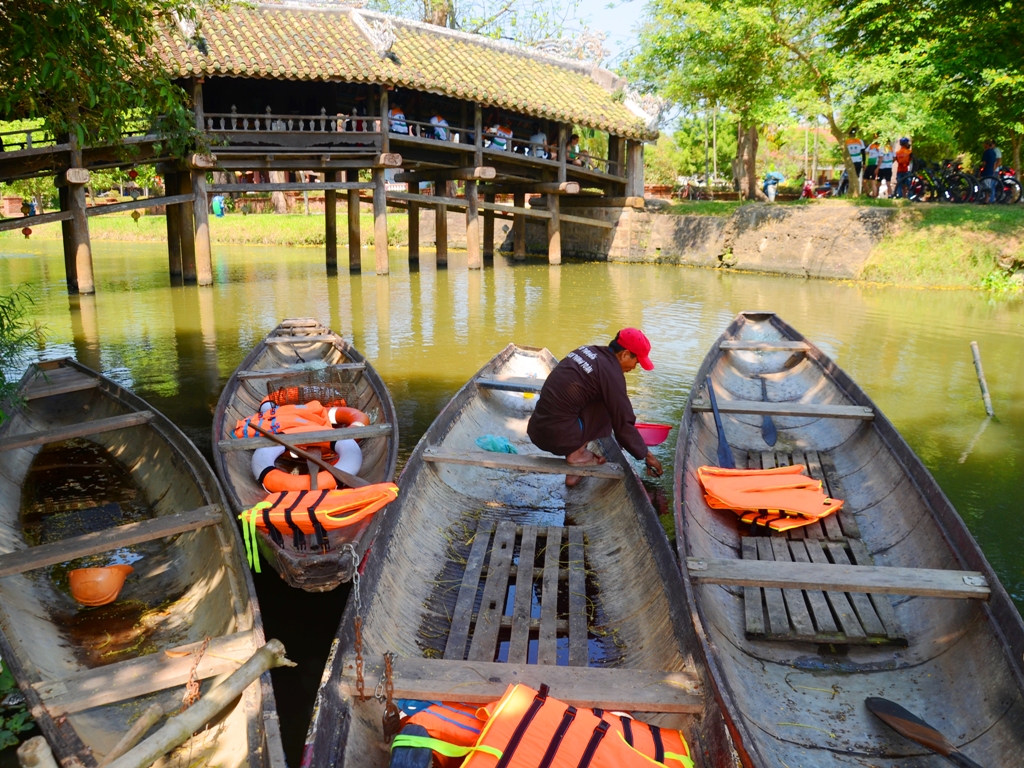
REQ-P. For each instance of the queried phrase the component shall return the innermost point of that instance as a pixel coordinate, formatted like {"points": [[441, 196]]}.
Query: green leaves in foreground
{"points": [[17, 334], [14, 716]]}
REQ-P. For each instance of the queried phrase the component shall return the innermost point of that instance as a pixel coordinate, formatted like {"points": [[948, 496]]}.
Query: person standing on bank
{"points": [[584, 398]]}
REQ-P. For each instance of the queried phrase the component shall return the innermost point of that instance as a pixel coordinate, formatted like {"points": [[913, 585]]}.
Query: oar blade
{"points": [[910, 726], [725, 458], [768, 432]]}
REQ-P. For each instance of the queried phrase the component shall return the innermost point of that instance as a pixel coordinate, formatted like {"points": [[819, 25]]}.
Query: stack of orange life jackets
{"points": [[526, 728], [781, 498]]}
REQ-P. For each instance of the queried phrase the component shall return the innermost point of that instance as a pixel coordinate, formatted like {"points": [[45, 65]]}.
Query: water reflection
{"points": [[428, 330]]}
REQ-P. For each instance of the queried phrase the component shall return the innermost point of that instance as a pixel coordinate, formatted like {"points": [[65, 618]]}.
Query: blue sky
{"points": [[620, 22]]}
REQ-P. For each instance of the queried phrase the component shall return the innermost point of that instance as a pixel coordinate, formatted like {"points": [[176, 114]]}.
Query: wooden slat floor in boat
{"points": [[812, 615], [540, 614]]}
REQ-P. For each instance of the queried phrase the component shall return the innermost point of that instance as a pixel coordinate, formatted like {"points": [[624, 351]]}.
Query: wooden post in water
{"points": [[204, 254], [473, 257], [331, 224], [441, 227], [554, 229], [355, 245], [187, 235], [76, 178], [67, 235], [380, 222], [414, 223], [981, 378], [519, 228], [173, 226], [489, 229]]}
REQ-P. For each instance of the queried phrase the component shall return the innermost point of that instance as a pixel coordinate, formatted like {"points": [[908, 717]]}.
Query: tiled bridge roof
{"points": [[289, 43]]}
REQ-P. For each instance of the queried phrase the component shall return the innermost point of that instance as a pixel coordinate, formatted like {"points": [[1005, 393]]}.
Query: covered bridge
{"points": [[335, 97]]}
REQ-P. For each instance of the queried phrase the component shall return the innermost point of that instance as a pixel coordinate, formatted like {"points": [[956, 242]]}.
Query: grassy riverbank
{"points": [[254, 229]]}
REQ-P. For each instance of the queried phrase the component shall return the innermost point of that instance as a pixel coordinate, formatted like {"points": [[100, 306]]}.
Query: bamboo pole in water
{"points": [[981, 378]]}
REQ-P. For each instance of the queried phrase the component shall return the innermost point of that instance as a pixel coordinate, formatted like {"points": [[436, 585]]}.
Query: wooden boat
{"points": [[891, 597], [90, 475], [446, 590], [302, 348]]}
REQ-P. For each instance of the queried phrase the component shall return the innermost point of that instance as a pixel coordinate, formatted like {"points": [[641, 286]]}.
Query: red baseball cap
{"points": [[634, 340]]}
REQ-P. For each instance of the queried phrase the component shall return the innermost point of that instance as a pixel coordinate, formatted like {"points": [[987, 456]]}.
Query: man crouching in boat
{"points": [[584, 399]]}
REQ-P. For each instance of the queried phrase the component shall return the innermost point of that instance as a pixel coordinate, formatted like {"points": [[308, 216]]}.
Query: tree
{"points": [[695, 52], [17, 334], [87, 69]]}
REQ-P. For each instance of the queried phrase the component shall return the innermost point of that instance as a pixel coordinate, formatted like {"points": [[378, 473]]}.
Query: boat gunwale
{"points": [[60, 731], [1004, 619]]}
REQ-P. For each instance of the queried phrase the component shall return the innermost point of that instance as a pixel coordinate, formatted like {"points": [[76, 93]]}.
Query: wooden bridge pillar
{"points": [[473, 258], [554, 232], [331, 225], [77, 245], [201, 214], [173, 229], [488, 228], [355, 244], [441, 227], [414, 223], [519, 228], [186, 231], [634, 168], [380, 222]]}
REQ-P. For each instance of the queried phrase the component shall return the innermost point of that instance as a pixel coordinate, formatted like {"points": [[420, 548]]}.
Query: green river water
{"points": [[428, 330]]}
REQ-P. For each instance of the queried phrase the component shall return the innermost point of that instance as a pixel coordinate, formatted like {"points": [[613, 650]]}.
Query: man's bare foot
{"points": [[581, 457], [571, 481]]}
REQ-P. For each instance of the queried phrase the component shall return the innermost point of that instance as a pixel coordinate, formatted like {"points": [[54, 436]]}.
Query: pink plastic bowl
{"points": [[654, 434]]}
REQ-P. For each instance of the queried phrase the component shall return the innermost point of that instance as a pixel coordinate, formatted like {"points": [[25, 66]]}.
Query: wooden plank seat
{"points": [[144, 675], [112, 538], [510, 383], [498, 545], [813, 410], [548, 465], [481, 682], [58, 381], [297, 339], [765, 346], [275, 373], [305, 438], [81, 429]]}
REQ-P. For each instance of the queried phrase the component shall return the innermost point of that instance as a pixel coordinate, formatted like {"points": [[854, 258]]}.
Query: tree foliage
{"points": [[17, 334], [86, 68], [523, 21]]}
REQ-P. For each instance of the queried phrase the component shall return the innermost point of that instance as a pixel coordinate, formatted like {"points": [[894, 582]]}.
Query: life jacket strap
{"points": [[684, 760], [517, 736], [556, 739], [627, 729], [248, 518], [593, 744], [298, 537], [659, 745], [441, 747], [322, 542]]}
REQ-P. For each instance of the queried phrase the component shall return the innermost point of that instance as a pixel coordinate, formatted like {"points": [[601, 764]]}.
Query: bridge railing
{"points": [[26, 138], [234, 122]]}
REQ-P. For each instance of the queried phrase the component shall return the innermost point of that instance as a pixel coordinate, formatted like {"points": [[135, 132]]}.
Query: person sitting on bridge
{"points": [[539, 143], [440, 126], [396, 120], [501, 134], [584, 398]]}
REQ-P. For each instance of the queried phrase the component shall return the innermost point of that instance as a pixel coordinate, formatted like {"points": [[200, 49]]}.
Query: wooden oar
{"points": [[350, 480], [725, 459], [768, 431], [914, 728]]}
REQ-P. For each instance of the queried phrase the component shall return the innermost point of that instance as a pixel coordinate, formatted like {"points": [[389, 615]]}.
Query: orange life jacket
{"points": [[782, 498], [529, 729], [452, 723], [285, 418], [316, 512]]}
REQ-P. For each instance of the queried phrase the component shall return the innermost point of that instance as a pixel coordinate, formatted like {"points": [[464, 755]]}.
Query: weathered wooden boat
{"points": [[302, 352], [891, 597], [91, 476], [487, 571]]}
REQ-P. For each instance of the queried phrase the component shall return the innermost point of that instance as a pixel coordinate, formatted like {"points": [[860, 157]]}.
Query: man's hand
{"points": [[653, 465]]}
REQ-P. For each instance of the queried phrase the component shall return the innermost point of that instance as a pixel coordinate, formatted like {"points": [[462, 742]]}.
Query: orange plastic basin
{"points": [[98, 586]]}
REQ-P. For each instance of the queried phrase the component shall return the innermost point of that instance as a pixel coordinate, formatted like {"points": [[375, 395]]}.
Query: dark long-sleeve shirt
{"points": [[584, 399]]}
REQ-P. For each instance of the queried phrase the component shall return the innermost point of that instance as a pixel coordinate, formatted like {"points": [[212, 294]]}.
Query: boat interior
{"points": [[489, 558], [81, 457], [795, 665]]}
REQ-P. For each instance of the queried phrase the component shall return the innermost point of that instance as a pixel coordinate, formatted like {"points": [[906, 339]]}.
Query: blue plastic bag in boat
{"points": [[496, 444]]}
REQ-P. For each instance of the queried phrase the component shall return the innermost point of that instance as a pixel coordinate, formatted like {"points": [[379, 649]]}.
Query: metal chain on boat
{"points": [[358, 621], [192, 686], [392, 720]]}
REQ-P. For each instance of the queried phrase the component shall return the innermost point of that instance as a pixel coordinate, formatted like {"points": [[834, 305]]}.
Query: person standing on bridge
{"points": [[584, 398]]}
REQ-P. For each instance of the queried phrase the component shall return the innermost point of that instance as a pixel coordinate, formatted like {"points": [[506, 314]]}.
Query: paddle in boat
{"points": [[124, 584], [309, 388], [805, 613], [496, 601]]}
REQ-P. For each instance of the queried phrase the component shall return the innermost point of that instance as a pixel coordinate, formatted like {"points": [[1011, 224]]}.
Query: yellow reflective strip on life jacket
{"points": [[684, 760], [441, 747], [248, 518]]}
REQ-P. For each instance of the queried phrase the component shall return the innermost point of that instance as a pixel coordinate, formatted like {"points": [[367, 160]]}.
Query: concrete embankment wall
{"points": [[825, 239]]}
